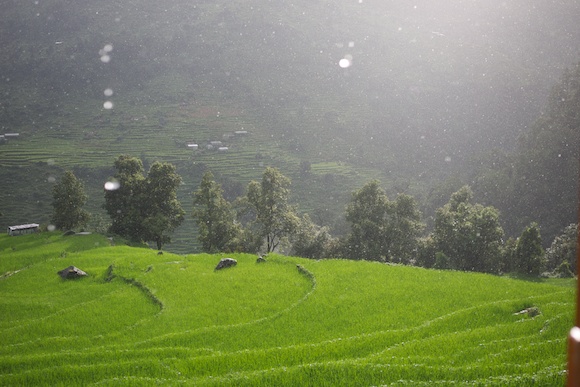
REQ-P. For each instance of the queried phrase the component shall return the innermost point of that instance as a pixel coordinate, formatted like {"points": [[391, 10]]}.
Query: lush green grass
{"points": [[141, 318]]}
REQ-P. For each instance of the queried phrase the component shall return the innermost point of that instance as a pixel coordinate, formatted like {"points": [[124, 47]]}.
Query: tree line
{"points": [[465, 236]]}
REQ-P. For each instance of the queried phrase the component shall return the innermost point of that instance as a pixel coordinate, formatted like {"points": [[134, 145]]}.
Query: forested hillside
{"points": [[424, 96]]}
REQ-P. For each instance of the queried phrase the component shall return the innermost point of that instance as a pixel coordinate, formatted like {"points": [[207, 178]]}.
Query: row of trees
{"points": [[465, 236], [141, 208]]}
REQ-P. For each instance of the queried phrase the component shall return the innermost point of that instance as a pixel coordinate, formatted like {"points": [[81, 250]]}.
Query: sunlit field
{"points": [[140, 318]]}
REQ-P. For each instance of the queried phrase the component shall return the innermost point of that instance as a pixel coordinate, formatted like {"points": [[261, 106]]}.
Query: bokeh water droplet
{"points": [[344, 63], [108, 92], [112, 185], [108, 105]]}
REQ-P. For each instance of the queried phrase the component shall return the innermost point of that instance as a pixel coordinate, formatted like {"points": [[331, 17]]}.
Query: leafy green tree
{"points": [[366, 213], [508, 256], [380, 229], [162, 211], [563, 249], [529, 254], [311, 240], [469, 235], [123, 201], [405, 227], [274, 219], [426, 250], [215, 218], [68, 199], [144, 208]]}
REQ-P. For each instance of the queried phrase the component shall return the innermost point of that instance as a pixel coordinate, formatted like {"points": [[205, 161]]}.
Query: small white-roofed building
{"points": [[23, 229]]}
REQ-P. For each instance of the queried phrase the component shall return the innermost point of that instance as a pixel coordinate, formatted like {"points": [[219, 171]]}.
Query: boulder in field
{"points": [[71, 272], [225, 263]]}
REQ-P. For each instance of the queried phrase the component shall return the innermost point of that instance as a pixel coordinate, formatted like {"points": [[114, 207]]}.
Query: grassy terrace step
{"points": [[142, 318]]}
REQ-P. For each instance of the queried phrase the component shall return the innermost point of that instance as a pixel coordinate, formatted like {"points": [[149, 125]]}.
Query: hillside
{"points": [[426, 86], [144, 318]]}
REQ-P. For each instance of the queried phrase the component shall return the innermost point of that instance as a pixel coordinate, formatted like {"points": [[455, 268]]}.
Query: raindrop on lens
{"points": [[108, 105], [108, 92], [112, 185], [51, 227], [344, 63]]}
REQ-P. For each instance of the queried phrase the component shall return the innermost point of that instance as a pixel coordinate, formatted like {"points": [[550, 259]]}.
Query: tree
{"points": [[366, 213], [144, 208], [275, 219], [311, 240], [381, 229], [508, 256], [215, 218], [563, 249], [163, 212], [123, 201], [529, 253], [69, 197], [404, 230], [469, 235]]}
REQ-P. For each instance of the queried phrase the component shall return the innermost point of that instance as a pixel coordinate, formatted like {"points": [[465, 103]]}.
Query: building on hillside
{"points": [[23, 229], [192, 146]]}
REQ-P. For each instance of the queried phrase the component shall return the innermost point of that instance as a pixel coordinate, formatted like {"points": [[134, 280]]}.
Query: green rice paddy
{"points": [[140, 318]]}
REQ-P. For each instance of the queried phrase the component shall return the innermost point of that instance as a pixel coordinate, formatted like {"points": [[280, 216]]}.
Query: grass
{"points": [[141, 318]]}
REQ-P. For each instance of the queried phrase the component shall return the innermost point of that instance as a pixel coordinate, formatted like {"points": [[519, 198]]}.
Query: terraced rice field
{"points": [[140, 318]]}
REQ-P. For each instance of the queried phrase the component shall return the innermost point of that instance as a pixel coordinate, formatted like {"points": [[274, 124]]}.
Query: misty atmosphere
{"points": [[424, 97], [289, 193]]}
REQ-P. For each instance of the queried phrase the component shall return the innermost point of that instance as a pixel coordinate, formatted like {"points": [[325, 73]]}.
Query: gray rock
{"points": [[225, 263], [71, 272]]}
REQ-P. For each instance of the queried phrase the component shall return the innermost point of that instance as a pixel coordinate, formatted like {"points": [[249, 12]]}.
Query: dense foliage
{"points": [[144, 208], [469, 235], [271, 216], [539, 181], [561, 255], [68, 199], [381, 229], [215, 218], [466, 236], [529, 254]]}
